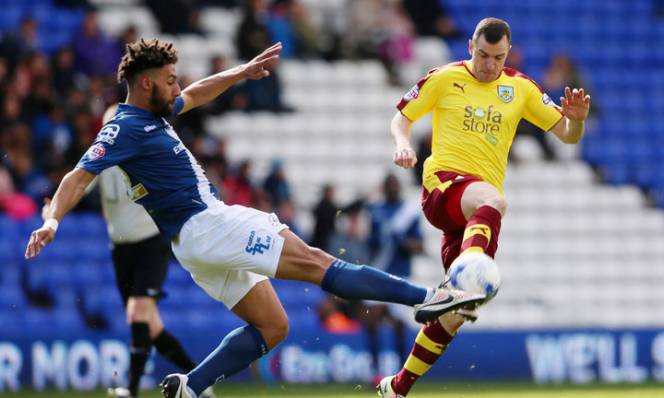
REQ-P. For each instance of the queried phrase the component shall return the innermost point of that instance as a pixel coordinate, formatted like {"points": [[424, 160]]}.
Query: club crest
{"points": [[506, 93]]}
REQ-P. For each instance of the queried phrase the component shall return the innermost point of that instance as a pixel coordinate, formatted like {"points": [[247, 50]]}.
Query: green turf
{"points": [[423, 390]]}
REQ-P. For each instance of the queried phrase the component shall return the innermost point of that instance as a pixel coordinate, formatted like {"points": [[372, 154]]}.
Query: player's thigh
{"points": [[230, 238], [481, 193], [261, 308], [299, 261]]}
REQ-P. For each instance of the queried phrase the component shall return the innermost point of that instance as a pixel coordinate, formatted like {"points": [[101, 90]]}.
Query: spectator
{"points": [[238, 187], [289, 24], [276, 185], [176, 16], [325, 214], [380, 29], [287, 214], [350, 243], [64, 75], [235, 98], [95, 53], [252, 37], [561, 73], [26, 177], [13, 47], [15, 204], [431, 19]]}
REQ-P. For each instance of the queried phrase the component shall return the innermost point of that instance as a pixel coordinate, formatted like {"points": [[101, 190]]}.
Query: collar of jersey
{"points": [[131, 108], [468, 64]]}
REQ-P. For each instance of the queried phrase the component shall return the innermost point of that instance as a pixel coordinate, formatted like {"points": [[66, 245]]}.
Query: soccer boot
{"points": [[384, 388], [118, 392], [175, 386], [445, 299], [207, 393]]}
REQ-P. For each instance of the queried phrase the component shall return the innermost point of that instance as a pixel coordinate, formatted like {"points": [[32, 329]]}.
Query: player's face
{"points": [[165, 89], [488, 59]]}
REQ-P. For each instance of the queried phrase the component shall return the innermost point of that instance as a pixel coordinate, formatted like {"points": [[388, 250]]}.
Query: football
{"points": [[475, 272]]}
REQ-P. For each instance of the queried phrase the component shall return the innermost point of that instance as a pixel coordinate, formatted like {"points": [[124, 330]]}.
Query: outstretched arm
{"points": [[575, 106], [69, 193], [404, 155], [207, 89]]}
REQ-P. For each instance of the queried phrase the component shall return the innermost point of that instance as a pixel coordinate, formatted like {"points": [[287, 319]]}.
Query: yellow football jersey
{"points": [[473, 122]]}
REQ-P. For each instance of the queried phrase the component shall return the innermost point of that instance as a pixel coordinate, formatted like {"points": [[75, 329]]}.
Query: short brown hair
{"points": [[493, 30], [142, 55]]}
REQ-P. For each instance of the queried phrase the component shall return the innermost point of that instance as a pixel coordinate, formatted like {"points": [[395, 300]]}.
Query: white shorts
{"points": [[229, 249]]}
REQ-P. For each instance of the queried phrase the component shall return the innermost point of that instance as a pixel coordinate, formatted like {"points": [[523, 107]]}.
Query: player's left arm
{"points": [[575, 107], [205, 90]]}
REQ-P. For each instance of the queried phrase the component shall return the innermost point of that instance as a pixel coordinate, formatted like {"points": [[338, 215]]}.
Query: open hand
{"points": [[575, 104], [258, 67], [38, 239]]}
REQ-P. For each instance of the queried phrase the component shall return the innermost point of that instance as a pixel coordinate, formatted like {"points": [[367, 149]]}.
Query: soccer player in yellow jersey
{"points": [[476, 105]]}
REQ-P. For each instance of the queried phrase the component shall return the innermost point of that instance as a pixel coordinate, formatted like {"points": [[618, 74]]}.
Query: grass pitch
{"points": [[424, 390]]}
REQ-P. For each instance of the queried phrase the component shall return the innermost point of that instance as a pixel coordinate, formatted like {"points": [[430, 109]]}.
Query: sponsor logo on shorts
{"points": [[258, 245]]}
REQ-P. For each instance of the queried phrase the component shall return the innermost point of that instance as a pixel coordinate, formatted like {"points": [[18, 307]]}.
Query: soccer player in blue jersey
{"points": [[230, 251]]}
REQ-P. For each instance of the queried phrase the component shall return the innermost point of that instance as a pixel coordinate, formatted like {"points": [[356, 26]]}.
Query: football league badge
{"points": [[506, 93]]}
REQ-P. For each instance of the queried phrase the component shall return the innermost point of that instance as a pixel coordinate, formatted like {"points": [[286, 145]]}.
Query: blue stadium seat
{"points": [[10, 275], [178, 276], [12, 297], [12, 323], [94, 249], [91, 225], [103, 300], [89, 274]]}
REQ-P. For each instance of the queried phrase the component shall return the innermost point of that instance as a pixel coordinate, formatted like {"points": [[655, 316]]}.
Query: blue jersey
{"points": [[164, 176]]}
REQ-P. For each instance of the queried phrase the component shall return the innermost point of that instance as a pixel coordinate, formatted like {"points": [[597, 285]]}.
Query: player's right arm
{"points": [[115, 143], [404, 155], [419, 101], [69, 193]]}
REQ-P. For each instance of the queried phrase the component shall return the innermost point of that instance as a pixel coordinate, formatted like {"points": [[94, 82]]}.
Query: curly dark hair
{"points": [[141, 55]]}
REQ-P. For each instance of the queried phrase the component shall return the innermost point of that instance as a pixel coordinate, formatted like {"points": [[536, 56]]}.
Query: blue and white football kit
{"points": [[227, 249]]}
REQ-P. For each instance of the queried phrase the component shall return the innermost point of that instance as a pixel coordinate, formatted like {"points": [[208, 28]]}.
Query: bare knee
{"points": [[498, 202], [276, 332]]}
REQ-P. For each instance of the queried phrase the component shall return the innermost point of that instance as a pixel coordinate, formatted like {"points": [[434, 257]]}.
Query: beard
{"points": [[158, 106]]}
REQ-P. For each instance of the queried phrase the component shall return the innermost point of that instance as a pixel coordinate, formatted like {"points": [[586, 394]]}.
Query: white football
{"points": [[477, 273]]}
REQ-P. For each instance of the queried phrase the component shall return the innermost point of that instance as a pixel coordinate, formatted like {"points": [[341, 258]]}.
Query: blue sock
{"points": [[238, 349], [361, 282]]}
